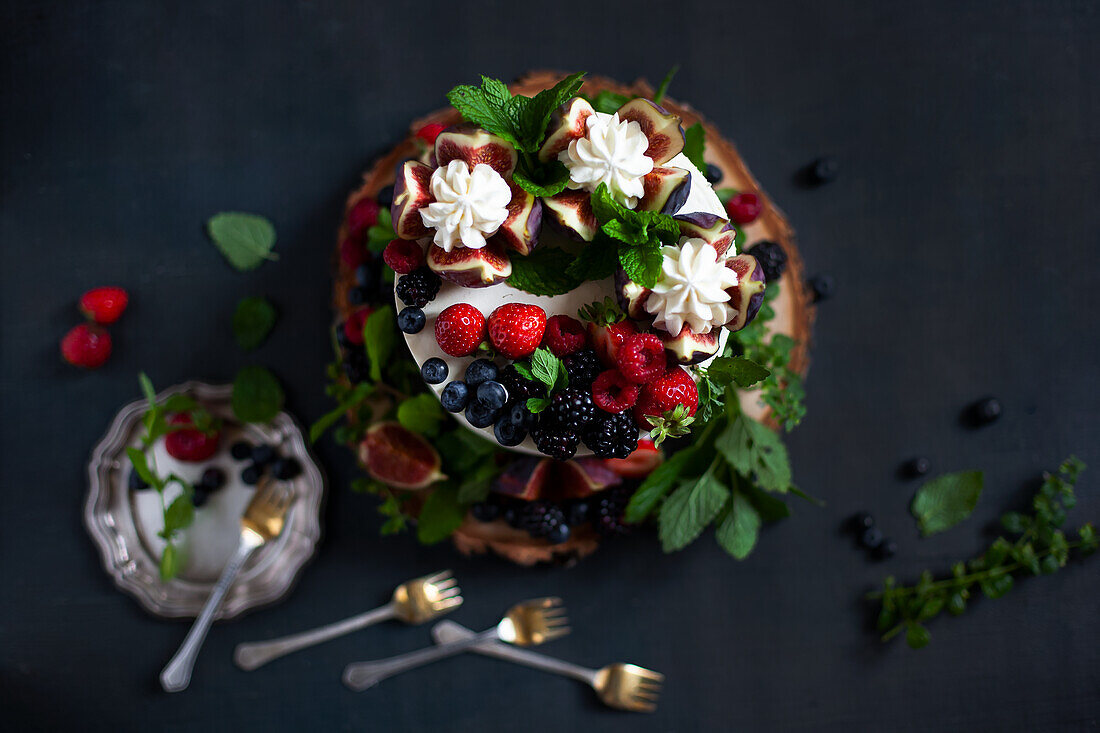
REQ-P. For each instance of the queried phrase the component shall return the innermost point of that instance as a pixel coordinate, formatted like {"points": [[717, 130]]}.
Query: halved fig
{"points": [[666, 190], [640, 463], [571, 212], [666, 136], [473, 145], [631, 297], [714, 230], [471, 268], [398, 457], [520, 231], [688, 347], [748, 295], [568, 123], [544, 478], [411, 193]]}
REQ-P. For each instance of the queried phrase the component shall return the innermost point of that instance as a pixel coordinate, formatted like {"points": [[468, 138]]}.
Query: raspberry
{"points": [[556, 443], [352, 253], [674, 387], [362, 217], [104, 305], [189, 445], [459, 329], [419, 287], [519, 388], [583, 367], [772, 259], [612, 436], [613, 393], [353, 326], [641, 358], [516, 329], [744, 208], [571, 409], [403, 256], [564, 335], [429, 132], [87, 346], [608, 521], [540, 518]]}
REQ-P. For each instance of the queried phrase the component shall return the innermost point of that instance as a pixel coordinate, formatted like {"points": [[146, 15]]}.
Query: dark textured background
{"points": [[962, 234]]}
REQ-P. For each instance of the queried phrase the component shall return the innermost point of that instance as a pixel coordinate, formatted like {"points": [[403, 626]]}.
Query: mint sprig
{"points": [[257, 395], [695, 146], [946, 500], [547, 370], [246, 240], [783, 390], [253, 321], [546, 271], [639, 235]]}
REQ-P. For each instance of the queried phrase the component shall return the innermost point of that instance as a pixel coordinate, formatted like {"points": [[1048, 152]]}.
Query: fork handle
{"points": [[252, 655], [177, 674], [448, 631], [363, 675]]}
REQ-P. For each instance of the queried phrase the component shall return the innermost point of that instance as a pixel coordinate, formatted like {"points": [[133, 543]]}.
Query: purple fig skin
{"points": [[631, 297], [531, 478], [568, 123], [666, 135], [400, 458], [748, 294], [522, 479], [520, 231], [688, 347], [474, 146], [665, 190], [471, 268], [571, 212], [411, 193], [714, 230]]}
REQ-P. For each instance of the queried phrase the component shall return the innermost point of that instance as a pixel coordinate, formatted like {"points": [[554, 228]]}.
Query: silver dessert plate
{"points": [[124, 523]]}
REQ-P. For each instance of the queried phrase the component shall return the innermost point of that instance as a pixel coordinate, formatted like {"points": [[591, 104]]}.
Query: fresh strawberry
{"points": [[608, 328], [352, 253], [516, 329], [429, 132], [744, 208], [641, 358], [362, 217], [638, 464], [104, 305], [663, 394], [87, 346], [403, 256], [459, 329], [353, 326], [564, 335], [613, 393], [189, 445]]}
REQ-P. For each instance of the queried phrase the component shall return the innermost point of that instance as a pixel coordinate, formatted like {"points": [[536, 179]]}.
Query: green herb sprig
{"points": [[1040, 548], [547, 370], [245, 240], [783, 390]]}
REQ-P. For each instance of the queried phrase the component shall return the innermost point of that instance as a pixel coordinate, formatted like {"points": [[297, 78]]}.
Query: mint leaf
{"points": [[462, 450], [663, 87], [537, 404], [609, 102], [421, 414], [688, 510], [655, 486], [245, 240], [695, 146], [754, 451], [253, 321], [486, 107], [738, 529], [379, 235], [543, 272], [141, 465], [536, 114], [741, 370], [475, 487], [147, 389], [440, 516], [257, 395], [769, 507], [946, 500], [330, 418], [180, 514], [598, 260], [554, 178], [641, 264], [725, 194], [169, 562], [378, 338]]}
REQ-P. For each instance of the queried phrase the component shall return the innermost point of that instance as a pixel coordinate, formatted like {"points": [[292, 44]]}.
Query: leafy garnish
{"points": [[783, 391], [554, 177], [379, 235], [548, 371], [598, 260], [353, 399], [253, 321], [602, 312], [695, 146], [739, 526], [689, 509], [543, 272], [639, 234], [725, 194], [440, 516], [245, 240], [662, 88], [1040, 548], [642, 264], [379, 338], [257, 395], [675, 423], [421, 414], [608, 102], [739, 370], [947, 500]]}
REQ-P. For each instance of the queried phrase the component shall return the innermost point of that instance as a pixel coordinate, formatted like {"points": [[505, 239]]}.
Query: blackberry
{"points": [[571, 409], [540, 518], [355, 365], [771, 257], [608, 519], [824, 169], [212, 479], [583, 367], [419, 287], [557, 443], [519, 387], [286, 468], [822, 287], [713, 173], [612, 436], [485, 511]]}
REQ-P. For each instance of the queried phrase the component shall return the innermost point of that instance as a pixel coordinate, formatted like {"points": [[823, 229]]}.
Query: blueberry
{"points": [[714, 173], [862, 521], [485, 511], [871, 538], [251, 474], [385, 197], [411, 319], [358, 295], [455, 396], [917, 466], [136, 482], [558, 534], [242, 449], [212, 479], [285, 469], [522, 417], [263, 454], [199, 497], [480, 415], [824, 169], [578, 513], [822, 286], [886, 549], [480, 370], [434, 370], [366, 275], [508, 434], [985, 411], [492, 394], [511, 516]]}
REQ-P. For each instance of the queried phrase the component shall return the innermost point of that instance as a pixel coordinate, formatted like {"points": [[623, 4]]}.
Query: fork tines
{"points": [[554, 618], [445, 591], [646, 690]]}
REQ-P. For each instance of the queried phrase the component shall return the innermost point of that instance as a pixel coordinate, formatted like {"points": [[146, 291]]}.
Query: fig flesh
{"points": [[747, 295], [568, 123], [398, 457], [688, 347], [666, 190], [571, 212], [475, 146], [666, 136], [411, 193], [471, 268], [531, 478], [714, 230], [631, 296], [520, 231]]}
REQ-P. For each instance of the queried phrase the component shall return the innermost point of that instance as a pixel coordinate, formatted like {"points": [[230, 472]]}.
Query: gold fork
{"points": [[622, 686], [263, 521], [414, 602], [526, 624]]}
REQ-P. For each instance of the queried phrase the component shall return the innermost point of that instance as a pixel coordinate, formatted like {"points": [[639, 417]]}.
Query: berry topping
{"points": [[429, 132], [251, 475], [985, 411], [87, 346], [772, 259], [558, 534], [608, 328], [612, 436], [713, 173], [583, 367], [136, 482], [608, 521], [507, 432], [263, 454], [419, 287], [104, 305], [564, 335], [455, 396], [212, 479], [519, 387], [485, 511], [358, 295], [822, 286], [362, 217], [403, 256], [353, 327], [241, 450], [516, 329], [198, 499], [916, 467], [459, 329], [871, 538], [674, 387], [641, 358], [434, 370], [540, 518], [862, 521], [824, 169], [557, 443], [480, 415], [613, 393], [886, 549], [411, 319], [285, 469], [744, 208], [368, 273], [352, 253], [570, 408], [492, 395], [480, 370], [522, 417], [189, 445]]}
